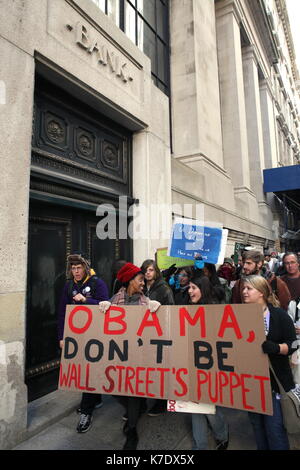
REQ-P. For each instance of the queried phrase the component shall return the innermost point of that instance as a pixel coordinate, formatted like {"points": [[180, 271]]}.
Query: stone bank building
{"points": [[167, 102]]}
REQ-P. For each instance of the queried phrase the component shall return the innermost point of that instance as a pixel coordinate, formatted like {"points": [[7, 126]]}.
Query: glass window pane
{"points": [[161, 20], [100, 4], [162, 87], [113, 10], [162, 58], [140, 34], [130, 22], [147, 9], [149, 45]]}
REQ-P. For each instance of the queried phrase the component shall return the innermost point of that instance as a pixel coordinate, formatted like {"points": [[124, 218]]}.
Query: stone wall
{"points": [[79, 45]]}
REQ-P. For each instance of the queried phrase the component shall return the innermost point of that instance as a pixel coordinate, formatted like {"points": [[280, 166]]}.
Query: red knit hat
{"points": [[128, 272]]}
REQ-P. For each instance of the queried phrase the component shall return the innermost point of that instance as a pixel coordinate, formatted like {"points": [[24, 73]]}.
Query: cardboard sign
{"points": [[210, 354], [190, 407], [189, 239], [164, 261]]}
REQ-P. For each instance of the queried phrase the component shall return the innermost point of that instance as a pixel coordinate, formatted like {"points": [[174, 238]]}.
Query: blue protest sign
{"points": [[189, 240]]}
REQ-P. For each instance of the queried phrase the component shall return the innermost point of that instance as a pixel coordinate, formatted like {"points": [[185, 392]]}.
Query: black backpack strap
{"points": [[70, 288]]}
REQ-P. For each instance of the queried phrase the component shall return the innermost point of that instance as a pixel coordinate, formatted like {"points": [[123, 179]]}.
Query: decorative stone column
{"points": [[151, 175], [268, 124], [254, 122], [17, 73], [233, 108], [196, 113], [255, 131]]}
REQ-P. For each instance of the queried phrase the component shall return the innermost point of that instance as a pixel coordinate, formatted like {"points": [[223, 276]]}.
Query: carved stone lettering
{"points": [[81, 36], [104, 55]]}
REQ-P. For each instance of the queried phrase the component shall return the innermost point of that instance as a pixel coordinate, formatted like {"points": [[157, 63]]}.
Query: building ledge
{"points": [[49, 409]]}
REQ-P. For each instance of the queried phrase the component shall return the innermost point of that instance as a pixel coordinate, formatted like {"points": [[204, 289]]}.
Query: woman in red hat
{"points": [[131, 293]]}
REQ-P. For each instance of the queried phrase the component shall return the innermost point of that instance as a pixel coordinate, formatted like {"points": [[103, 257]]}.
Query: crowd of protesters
{"points": [[271, 281]]}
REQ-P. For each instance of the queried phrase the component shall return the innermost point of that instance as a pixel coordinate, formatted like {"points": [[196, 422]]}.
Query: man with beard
{"points": [[252, 264]]}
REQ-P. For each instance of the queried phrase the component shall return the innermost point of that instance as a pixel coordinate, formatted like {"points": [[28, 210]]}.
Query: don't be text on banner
{"points": [[210, 354]]}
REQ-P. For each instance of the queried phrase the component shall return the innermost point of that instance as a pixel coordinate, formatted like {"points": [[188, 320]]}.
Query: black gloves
{"points": [[269, 347], [168, 272]]}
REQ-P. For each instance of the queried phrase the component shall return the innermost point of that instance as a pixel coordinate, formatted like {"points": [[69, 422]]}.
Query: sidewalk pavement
{"points": [[170, 431]]}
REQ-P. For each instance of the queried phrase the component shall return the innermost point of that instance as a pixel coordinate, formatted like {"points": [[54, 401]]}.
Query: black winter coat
{"points": [[181, 296], [281, 330], [161, 292]]}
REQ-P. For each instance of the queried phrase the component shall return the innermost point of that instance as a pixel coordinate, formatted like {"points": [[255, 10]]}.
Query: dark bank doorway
{"points": [[54, 232], [80, 159]]}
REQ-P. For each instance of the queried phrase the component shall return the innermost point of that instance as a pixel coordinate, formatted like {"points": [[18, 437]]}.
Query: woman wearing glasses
{"points": [[292, 277]]}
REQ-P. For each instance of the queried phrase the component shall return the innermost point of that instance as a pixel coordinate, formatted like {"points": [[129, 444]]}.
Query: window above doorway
{"points": [[146, 23]]}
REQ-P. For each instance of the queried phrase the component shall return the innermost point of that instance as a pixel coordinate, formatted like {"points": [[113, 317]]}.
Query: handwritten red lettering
{"points": [[162, 381], [229, 321], [73, 376], [201, 382], [87, 377], [181, 382], [262, 381], [120, 377], [213, 397], [148, 381], [63, 377], [109, 378], [233, 384], [150, 323], [199, 315], [76, 376], [129, 376], [80, 308], [223, 378], [245, 391], [117, 319], [139, 381]]}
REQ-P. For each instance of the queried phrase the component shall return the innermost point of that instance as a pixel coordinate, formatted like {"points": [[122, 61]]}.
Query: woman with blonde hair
{"points": [[269, 431]]}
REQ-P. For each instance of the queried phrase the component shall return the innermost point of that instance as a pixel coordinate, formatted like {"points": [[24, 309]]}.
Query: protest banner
{"points": [[189, 238], [164, 261], [210, 354], [178, 406]]}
